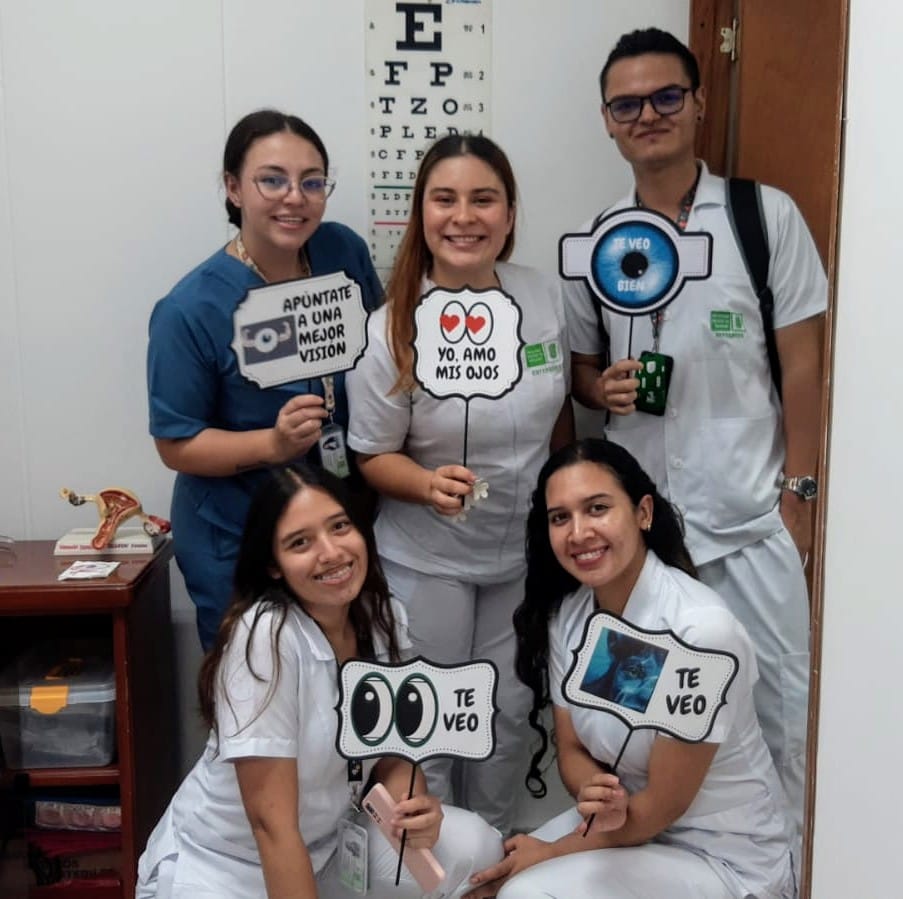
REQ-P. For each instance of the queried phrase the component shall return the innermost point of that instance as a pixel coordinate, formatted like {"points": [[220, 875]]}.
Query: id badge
{"points": [[333, 454], [655, 379], [353, 841]]}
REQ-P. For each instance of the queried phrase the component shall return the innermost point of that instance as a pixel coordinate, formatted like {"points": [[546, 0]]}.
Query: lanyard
{"points": [[355, 782], [657, 318], [245, 257], [328, 381]]}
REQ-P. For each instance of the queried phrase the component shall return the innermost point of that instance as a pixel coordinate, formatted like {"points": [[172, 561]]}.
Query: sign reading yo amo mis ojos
{"points": [[467, 343], [299, 330]]}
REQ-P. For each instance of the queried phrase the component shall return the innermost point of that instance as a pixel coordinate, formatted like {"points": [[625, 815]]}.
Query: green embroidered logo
{"points": [[727, 324], [537, 355]]}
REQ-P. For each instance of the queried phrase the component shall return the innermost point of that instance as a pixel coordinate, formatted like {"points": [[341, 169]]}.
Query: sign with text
{"points": [[467, 343], [427, 75], [300, 329], [635, 261], [649, 679], [416, 710]]}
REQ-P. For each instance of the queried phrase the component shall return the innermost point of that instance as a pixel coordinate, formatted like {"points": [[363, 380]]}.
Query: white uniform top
{"points": [[737, 817], [206, 825], [718, 451], [507, 440]]}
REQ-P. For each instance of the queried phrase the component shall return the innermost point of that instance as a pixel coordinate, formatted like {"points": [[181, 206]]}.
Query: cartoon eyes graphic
{"points": [[414, 709], [456, 321], [372, 709]]}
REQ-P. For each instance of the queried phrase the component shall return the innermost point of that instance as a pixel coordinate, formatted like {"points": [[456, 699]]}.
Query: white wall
{"points": [[112, 121], [860, 740]]}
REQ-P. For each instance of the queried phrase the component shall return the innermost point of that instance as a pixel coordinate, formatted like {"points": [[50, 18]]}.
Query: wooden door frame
{"points": [[717, 75], [715, 144]]}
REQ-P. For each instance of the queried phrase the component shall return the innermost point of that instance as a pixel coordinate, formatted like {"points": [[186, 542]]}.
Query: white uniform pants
{"points": [[467, 844], [453, 621], [764, 586], [650, 871]]}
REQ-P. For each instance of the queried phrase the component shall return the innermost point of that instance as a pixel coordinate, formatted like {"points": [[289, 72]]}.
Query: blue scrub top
{"points": [[193, 377]]}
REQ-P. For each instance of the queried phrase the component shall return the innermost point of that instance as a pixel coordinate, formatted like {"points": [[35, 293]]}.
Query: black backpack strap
{"points": [[744, 210]]}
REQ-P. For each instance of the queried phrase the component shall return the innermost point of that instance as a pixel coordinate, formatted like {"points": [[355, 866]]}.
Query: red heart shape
{"points": [[449, 322], [475, 323]]}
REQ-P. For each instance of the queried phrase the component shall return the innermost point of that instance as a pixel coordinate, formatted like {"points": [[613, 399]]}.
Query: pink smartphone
{"points": [[422, 864]]}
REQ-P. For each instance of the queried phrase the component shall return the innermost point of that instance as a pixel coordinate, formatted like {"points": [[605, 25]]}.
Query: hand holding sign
{"points": [[297, 426], [648, 679], [467, 344], [603, 803], [416, 710], [450, 486], [635, 262]]}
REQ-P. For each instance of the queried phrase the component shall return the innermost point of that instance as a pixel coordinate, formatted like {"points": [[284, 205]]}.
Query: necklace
{"points": [[245, 257]]}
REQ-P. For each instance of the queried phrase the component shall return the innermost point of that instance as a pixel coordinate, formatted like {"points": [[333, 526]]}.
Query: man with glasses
{"points": [[736, 460]]}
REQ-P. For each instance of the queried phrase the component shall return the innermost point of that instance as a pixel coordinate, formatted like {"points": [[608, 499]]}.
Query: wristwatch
{"points": [[804, 486]]}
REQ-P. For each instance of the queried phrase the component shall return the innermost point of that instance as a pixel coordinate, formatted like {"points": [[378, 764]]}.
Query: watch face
{"points": [[807, 488]]}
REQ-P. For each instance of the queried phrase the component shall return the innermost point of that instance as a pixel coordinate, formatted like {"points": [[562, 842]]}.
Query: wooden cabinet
{"points": [[128, 612]]}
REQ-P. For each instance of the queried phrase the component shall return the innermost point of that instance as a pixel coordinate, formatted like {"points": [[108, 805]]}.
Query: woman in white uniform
{"points": [[682, 820], [259, 814], [460, 580]]}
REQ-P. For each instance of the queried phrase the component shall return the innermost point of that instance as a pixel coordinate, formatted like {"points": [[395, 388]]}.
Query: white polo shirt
{"points": [[206, 825], [737, 817], [718, 451], [507, 440]]}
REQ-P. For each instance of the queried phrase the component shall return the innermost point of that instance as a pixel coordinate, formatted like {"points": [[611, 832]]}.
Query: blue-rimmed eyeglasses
{"points": [[665, 101], [275, 186]]}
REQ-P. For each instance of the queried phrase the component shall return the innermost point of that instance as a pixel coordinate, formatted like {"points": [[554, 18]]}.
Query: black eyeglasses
{"points": [[665, 101]]}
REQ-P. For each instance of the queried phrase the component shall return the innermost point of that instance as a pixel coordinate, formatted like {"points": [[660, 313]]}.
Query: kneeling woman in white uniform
{"points": [[258, 816], [682, 820]]}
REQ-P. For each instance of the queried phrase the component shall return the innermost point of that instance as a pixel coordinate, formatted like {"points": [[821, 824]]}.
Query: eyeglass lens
{"points": [[667, 101], [274, 187]]}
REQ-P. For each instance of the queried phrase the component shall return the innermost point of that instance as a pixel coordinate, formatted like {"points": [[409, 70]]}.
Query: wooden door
{"points": [[775, 113]]}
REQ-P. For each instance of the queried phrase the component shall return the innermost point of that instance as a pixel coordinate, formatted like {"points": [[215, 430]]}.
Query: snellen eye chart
{"points": [[427, 74]]}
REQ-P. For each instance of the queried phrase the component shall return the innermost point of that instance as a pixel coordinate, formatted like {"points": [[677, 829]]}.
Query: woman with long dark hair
{"points": [[259, 814], [211, 423], [684, 820], [460, 581]]}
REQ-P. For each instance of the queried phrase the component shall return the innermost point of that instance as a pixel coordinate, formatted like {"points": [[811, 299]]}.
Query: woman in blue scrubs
{"points": [[211, 424]]}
